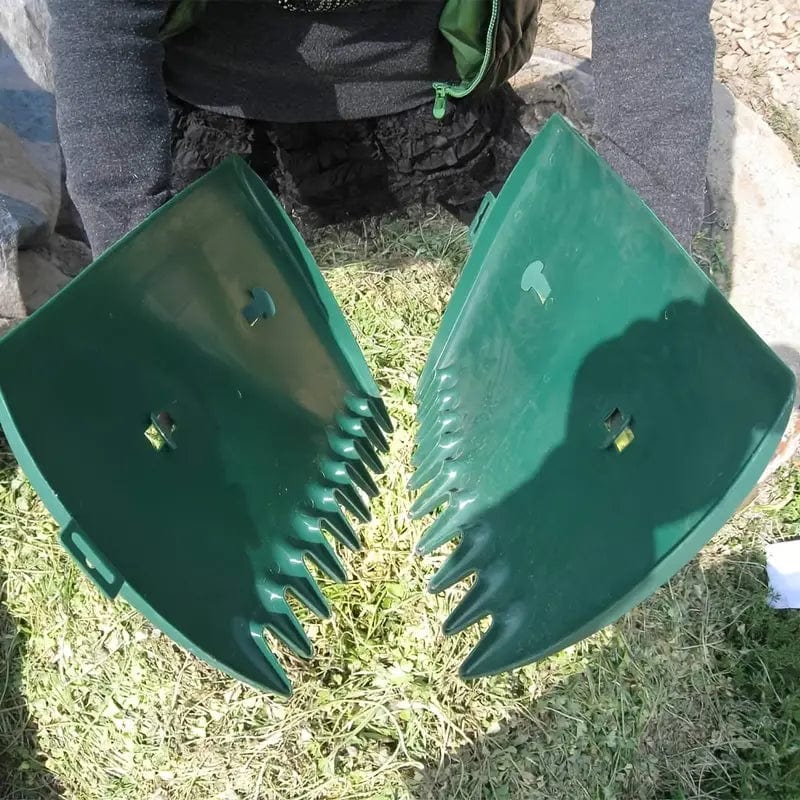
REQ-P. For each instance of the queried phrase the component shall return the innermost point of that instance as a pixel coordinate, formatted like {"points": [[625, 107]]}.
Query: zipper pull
{"points": [[440, 103]]}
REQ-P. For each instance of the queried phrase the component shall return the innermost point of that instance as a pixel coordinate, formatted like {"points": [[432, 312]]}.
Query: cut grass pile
{"points": [[696, 693], [785, 121], [710, 255]]}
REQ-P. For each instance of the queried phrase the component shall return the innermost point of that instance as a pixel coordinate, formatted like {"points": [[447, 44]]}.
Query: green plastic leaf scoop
{"points": [[592, 411], [195, 413]]}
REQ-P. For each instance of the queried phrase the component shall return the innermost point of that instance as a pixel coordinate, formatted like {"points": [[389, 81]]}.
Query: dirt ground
{"points": [[758, 46]]}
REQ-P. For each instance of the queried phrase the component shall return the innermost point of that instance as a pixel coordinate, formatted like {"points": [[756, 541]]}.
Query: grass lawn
{"points": [[694, 694]]}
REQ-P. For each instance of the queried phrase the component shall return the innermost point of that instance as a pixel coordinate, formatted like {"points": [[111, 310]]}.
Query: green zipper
{"points": [[458, 90]]}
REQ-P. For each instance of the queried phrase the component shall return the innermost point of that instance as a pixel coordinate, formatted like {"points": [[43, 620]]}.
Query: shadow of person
{"points": [[23, 773], [594, 530], [571, 545]]}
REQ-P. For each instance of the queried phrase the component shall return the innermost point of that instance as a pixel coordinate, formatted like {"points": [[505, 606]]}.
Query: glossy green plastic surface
{"points": [[194, 411], [592, 412]]}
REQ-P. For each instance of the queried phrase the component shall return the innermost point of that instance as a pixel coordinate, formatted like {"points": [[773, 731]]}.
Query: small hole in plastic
{"points": [[614, 420], [262, 306], [160, 431], [620, 429], [533, 278]]}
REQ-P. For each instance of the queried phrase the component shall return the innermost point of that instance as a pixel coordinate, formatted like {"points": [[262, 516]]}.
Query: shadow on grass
{"points": [[23, 775], [696, 694]]}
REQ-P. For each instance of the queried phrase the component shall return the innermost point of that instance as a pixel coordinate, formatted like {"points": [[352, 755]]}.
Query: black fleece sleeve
{"points": [[653, 64], [112, 111]]}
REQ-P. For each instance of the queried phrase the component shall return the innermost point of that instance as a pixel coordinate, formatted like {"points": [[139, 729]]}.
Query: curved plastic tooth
{"points": [[375, 434], [352, 501], [347, 474], [435, 493], [366, 452], [438, 382], [463, 562], [469, 610], [324, 556], [381, 413], [372, 407], [427, 391], [362, 478], [355, 442], [490, 654], [350, 425], [306, 590], [341, 477], [363, 430], [426, 471], [334, 471], [285, 625], [358, 405], [430, 418], [444, 528], [444, 445], [341, 529], [448, 450], [426, 413], [342, 446], [313, 543], [444, 401], [324, 503], [423, 452], [429, 438], [432, 375], [425, 379], [357, 453], [270, 672], [437, 427]]}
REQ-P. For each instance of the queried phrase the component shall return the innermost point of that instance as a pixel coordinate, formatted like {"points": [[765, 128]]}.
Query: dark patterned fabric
{"points": [[513, 43], [335, 172]]}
